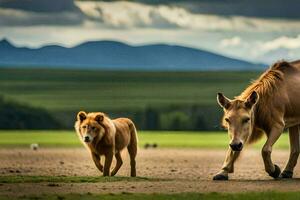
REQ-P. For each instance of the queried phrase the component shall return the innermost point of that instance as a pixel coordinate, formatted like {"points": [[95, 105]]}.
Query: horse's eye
{"points": [[84, 126], [227, 120], [246, 120]]}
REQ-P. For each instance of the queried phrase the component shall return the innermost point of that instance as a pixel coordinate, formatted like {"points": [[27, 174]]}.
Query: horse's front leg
{"points": [[228, 166], [294, 152], [272, 169]]}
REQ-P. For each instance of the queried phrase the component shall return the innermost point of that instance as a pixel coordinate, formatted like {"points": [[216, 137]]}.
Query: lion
{"points": [[106, 137]]}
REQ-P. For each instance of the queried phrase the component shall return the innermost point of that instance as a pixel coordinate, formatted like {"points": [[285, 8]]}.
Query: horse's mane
{"points": [[266, 85], [268, 82]]}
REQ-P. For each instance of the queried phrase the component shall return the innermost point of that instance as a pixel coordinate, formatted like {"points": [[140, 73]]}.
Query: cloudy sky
{"points": [[255, 30]]}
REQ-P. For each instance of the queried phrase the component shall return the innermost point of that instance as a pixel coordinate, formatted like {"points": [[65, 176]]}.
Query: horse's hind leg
{"points": [[294, 152], [132, 150], [118, 164], [228, 166]]}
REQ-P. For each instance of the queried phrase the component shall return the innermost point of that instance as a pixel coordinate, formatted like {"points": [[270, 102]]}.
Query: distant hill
{"points": [[111, 55]]}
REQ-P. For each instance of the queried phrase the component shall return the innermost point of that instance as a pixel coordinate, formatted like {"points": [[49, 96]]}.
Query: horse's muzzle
{"points": [[236, 146]]}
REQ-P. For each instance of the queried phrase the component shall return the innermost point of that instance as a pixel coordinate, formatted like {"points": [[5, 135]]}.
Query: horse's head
{"points": [[238, 118]]}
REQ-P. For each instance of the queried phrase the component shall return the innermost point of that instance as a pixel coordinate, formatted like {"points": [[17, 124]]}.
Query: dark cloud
{"points": [[39, 12], [40, 5], [147, 13], [249, 8]]}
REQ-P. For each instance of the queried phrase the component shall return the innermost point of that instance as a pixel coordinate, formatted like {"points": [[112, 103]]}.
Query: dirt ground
{"points": [[186, 170]]}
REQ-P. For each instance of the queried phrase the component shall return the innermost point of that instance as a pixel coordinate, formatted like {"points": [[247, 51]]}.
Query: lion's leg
{"points": [[118, 164], [107, 164], [132, 150], [294, 152], [228, 166], [96, 159]]}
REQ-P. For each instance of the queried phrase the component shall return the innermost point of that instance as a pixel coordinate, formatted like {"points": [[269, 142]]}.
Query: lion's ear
{"points": [[81, 116], [99, 118]]}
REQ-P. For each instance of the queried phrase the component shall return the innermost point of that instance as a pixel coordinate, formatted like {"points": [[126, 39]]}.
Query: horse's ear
{"points": [[99, 118], [252, 100], [81, 116], [223, 101]]}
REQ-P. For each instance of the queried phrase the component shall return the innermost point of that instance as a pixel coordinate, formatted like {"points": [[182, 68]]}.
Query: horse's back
{"points": [[292, 79], [292, 90]]}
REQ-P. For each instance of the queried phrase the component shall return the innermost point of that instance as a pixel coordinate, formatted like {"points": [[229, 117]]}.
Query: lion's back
{"points": [[122, 132]]}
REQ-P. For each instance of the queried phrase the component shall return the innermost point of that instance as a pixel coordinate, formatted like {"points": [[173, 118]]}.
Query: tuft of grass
{"points": [[190, 196], [73, 179], [164, 139]]}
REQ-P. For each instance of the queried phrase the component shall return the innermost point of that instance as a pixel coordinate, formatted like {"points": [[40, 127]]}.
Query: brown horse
{"points": [[268, 106]]}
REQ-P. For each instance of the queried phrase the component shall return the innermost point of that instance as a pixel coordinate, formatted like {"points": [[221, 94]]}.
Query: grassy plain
{"points": [[73, 90], [165, 139]]}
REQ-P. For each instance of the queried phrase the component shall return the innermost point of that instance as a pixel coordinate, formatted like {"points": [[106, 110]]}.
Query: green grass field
{"points": [[73, 90], [68, 139], [9, 139], [189, 196]]}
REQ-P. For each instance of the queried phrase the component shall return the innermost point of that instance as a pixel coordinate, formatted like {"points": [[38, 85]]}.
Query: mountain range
{"points": [[112, 55]]}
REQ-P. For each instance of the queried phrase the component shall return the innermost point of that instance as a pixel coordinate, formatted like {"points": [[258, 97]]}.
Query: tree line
{"points": [[14, 115]]}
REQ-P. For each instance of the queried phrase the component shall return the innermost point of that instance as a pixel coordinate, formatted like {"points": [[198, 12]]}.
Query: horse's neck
{"points": [[256, 130]]}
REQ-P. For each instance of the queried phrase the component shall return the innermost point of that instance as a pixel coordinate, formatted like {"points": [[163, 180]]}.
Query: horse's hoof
{"points": [[286, 174], [276, 172], [220, 177]]}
